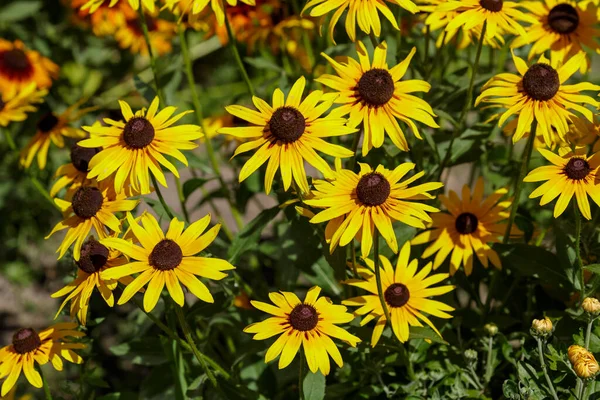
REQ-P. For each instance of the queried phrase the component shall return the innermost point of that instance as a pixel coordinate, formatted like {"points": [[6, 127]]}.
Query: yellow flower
{"points": [[406, 292], [94, 259], [498, 15], [542, 327], [363, 12], [310, 323], [575, 352], [357, 204], [375, 95], [93, 5], [74, 174], [19, 67], [571, 173], [166, 259], [51, 128], [288, 133], [591, 305], [130, 35], [29, 347], [91, 207], [105, 19], [561, 27], [218, 6], [134, 148], [15, 104], [467, 228], [586, 367], [540, 94]]}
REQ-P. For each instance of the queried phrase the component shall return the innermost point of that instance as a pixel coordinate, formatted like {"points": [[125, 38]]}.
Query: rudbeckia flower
{"points": [[15, 104], [166, 259], [74, 174], [194, 7], [93, 5], [129, 35], [19, 67], [310, 323], [406, 291]]}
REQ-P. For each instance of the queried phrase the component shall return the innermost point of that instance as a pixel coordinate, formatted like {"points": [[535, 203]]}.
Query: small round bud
{"points": [[491, 329], [470, 354], [541, 327], [591, 305]]}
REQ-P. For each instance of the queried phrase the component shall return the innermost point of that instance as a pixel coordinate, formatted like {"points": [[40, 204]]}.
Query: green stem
{"points": [[47, 392], [588, 333], [301, 375], [9, 140], [354, 149], [578, 249], [171, 334], [426, 49], [489, 368], [519, 184], [236, 54], [467, 105], [200, 118], [159, 91], [188, 337], [378, 276], [438, 55], [353, 255], [160, 197], [182, 200], [373, 38], [543, 364]]}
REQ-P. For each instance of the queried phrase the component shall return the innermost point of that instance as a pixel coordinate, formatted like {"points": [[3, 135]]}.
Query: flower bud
{"points": [[541, 327], [586, 366], [591, 305], [575, 352], [470, 354], [491, 329]]}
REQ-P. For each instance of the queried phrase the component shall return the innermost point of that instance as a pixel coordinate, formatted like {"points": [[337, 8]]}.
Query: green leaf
{"points": [[426, 333], [248, 238], [263, 63], [313, 386], [527, 260], [19, 10], [144, 89], [192, 184], [595, 268]]}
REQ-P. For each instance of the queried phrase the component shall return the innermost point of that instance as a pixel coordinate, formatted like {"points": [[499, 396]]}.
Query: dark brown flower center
{"points": [[87, 201], [166, 255], [15, 60], [2, 103], [373, 189], [81, 156], [138, 133], [376, 87], [47, 122], [396, 295], [577, 169], [26, 340], [492, 5], [563, 19], [93, 256], [466, 223], [541, 82], [304, 317], [287, 124], [135, 25]]}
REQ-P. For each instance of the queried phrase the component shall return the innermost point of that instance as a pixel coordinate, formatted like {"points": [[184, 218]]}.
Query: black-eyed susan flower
{"points": [[130, 35], [406, 291], [561, 27], [197, 6], [51, 128], [375, 95], [90, 207], [167, 259], [15, 104], [74, 174], [467, 229], [288, 133], [363, 12], [136, 147], [540, 94], [357, 204], [29, 347], [94, 259], [310, 323], [571, 173], [20, 66], [104, 20], [94, 5], [498, 15]]}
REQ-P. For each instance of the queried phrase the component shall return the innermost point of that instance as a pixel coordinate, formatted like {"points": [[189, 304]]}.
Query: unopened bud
{"points": [[586, 366], [541, 327], [575, 352], [470, 354], [491, 329], [591, 305]]}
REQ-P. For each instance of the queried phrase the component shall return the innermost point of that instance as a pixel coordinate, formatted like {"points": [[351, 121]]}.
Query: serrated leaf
{"points": [[595, 268], [313, 386]]}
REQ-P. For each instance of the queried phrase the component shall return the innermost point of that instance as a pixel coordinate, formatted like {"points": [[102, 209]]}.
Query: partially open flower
{"points": [[584, 362], [575, 352], [541, 327], [591, 305]]}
